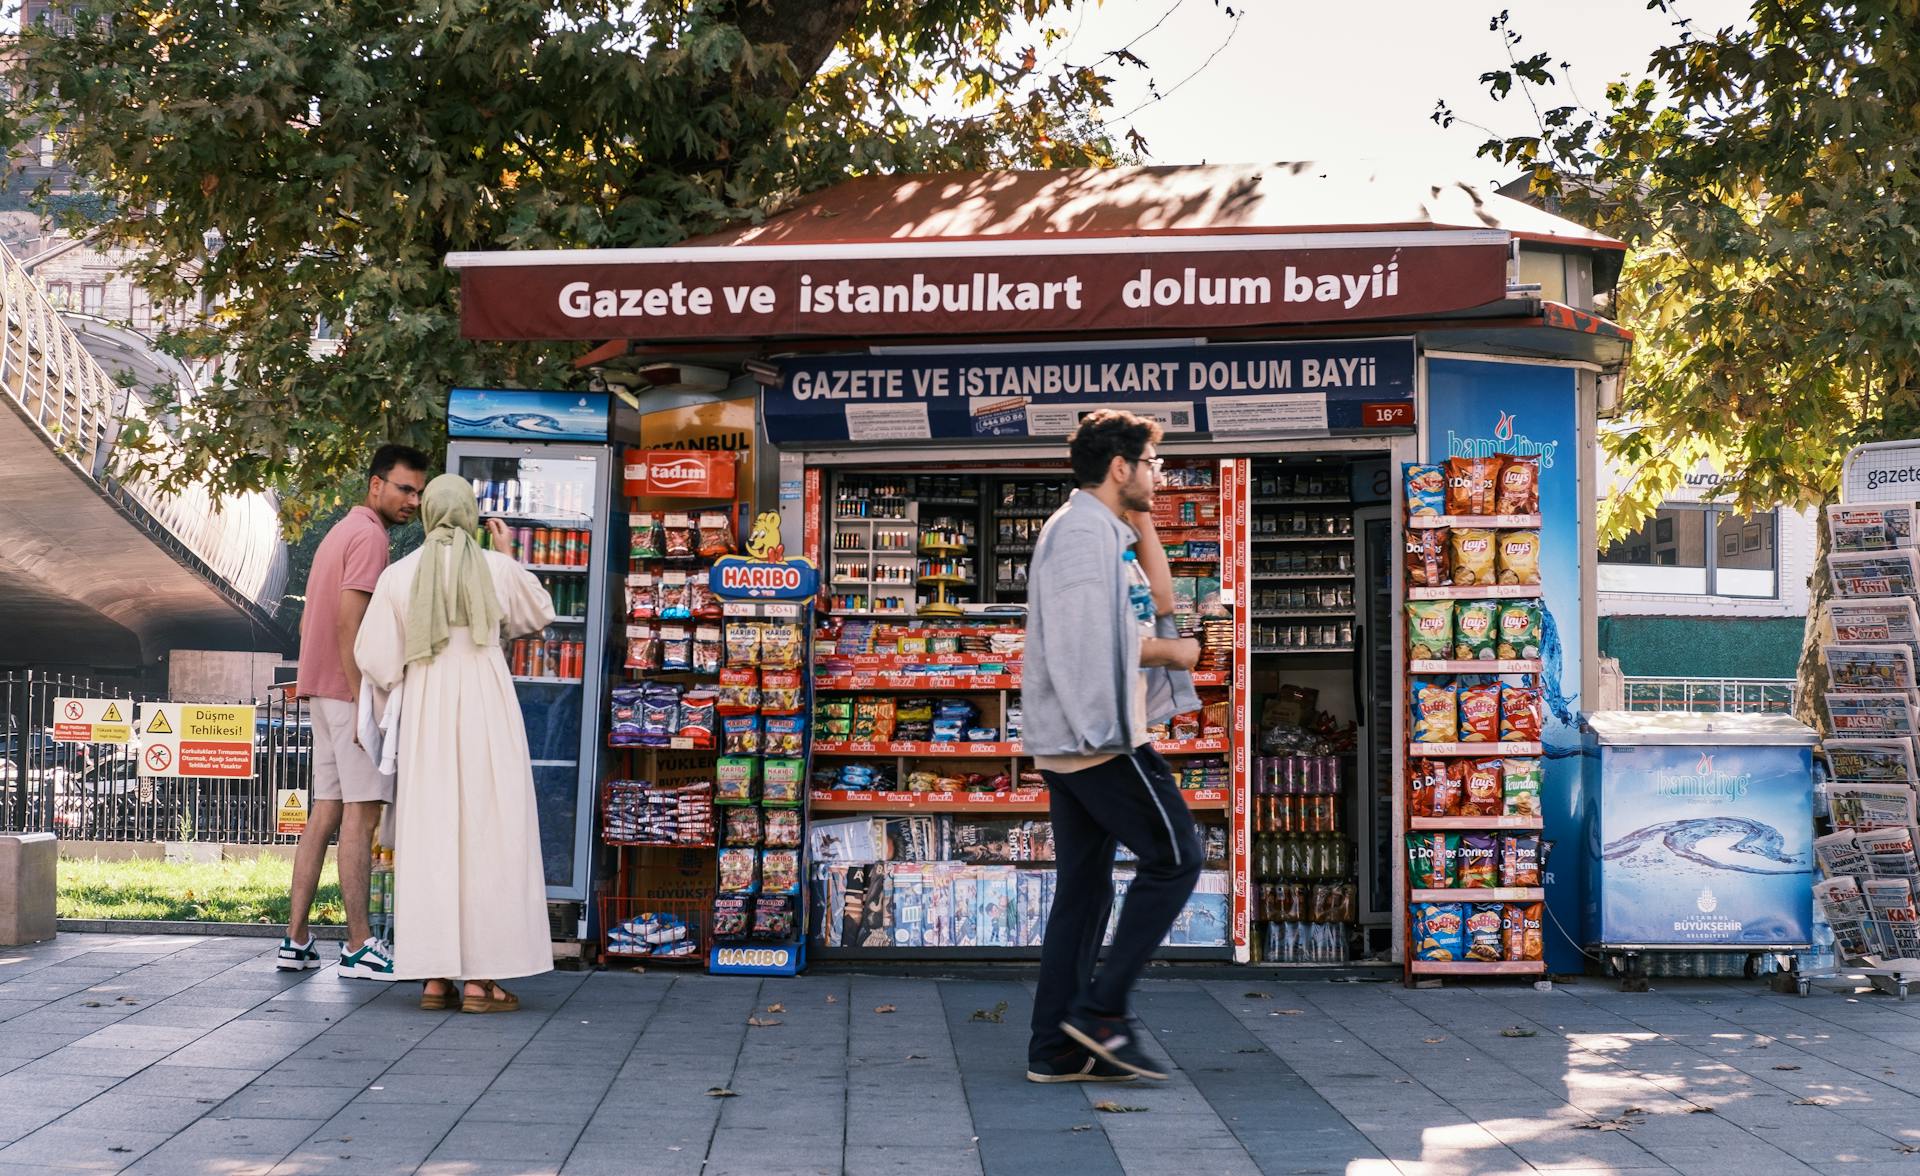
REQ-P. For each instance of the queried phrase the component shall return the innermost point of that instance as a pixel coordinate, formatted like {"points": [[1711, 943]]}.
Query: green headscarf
{"points": [[450, 514]]}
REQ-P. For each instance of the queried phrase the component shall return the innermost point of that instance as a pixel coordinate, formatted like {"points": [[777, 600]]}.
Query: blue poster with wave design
{"points": [[1480, 409]]}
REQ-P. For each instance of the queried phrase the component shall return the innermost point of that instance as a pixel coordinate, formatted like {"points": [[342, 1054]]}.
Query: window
{"points": [[91, 297], [1695, 550]]}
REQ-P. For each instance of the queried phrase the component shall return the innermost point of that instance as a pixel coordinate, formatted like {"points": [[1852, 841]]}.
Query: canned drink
{"points": [[542, 544], [586, 548], [518, 661], [523, 544]]}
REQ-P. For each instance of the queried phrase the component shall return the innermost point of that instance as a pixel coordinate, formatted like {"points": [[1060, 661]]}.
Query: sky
{"points": [[1326, 80]]}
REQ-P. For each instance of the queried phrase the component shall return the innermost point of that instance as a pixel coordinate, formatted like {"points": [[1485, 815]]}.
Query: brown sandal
{"points": [[435, 1002], [496, 1000]]}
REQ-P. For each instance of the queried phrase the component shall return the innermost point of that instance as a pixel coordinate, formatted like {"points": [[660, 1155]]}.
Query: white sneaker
{"points": [[374, 960], [297, 957]]}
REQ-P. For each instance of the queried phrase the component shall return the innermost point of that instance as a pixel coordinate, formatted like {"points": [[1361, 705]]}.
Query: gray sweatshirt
{"points": [[1083, 644]]}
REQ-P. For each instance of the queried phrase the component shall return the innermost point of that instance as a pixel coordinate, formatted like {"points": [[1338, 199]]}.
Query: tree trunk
{"points": [[1810, 681]]}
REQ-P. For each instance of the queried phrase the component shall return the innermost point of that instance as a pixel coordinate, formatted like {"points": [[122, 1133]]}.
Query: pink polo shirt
{"points": [[353, 555]]}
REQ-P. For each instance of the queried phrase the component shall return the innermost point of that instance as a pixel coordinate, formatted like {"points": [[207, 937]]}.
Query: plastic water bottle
{"points": [[1139, 592]]}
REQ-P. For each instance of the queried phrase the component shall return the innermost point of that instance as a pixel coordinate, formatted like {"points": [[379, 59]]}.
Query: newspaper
{"points": [[1889, 853], [1839, 855], [1854, 939], [1870, 806], [1874, 573], [1840, 898], [1871, 528], [1891, 621], [1870, 761], [1890, 899], [1873, 669], [1869, 716]]}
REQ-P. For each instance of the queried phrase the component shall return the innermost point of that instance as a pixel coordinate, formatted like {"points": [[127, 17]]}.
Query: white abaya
{"points": [[469, 891]]}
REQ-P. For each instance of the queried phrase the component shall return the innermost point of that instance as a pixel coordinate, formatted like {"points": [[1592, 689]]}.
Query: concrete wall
{"points": [[212, 675]]}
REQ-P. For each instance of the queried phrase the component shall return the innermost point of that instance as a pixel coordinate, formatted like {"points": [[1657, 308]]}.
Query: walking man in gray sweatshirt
{"points": [[1102, 661]]}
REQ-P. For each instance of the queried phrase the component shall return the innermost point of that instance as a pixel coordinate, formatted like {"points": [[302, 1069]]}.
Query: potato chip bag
{"points": [[1483, 789], [1431, 860], [1520, 781], [1429, 629], [1475, 630], [1519, 624], [1426, 557], [1520, 859], [1439, 931], [1519, 491], [1473, 485], [1479, 709], [1426, 487], [1517, 557], [1426, 779], [1472, 556], [1450, 791], [1524, 931], [1479, 867], [1434, 712], [1486, 932], [1522, 714]]}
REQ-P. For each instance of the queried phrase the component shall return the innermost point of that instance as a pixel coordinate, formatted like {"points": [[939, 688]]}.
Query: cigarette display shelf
{"points": [[1479, 592], [1485, 522], [1512, 666], [1435, 824], [1264, 577], [1303, 539], [1310, 501]]}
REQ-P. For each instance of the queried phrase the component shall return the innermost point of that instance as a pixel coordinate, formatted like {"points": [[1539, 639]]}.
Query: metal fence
{"points": [[94, 792], [1759, 696]]}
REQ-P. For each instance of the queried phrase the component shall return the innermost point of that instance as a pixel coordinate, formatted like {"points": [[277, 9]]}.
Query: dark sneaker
{"points": [[374, 960], [1111, 1040], [297, 957], [1077, 1066]]}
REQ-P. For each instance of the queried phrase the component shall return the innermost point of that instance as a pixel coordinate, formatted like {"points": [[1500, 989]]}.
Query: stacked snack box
{"points": [[1476, 631]]}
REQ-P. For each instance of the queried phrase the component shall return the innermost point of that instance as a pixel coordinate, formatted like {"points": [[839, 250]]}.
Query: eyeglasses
{"points": [[1157, 463], [405, 490]]}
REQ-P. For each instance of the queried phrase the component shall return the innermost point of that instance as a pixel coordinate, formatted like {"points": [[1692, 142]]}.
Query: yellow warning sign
{"points": [[159, 725], [292, 812], [112, 714], [184, 739]]}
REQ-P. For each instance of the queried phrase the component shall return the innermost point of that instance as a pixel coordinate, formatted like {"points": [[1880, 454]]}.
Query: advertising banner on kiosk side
{"points": [[1295, 389], [1477, 409]]}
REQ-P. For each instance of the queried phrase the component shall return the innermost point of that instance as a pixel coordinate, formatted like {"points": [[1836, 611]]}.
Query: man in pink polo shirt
{"points": [[347, 786]]}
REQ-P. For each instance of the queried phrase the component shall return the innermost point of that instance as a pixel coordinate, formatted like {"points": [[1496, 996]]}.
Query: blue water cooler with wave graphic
{"points": [[1699, 832]]}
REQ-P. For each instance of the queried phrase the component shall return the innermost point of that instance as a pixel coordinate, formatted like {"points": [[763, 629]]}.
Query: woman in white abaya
{"points": [[469, 891]]}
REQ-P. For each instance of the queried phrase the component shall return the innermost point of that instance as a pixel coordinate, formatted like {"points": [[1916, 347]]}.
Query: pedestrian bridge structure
{"points": [[96, 570]]}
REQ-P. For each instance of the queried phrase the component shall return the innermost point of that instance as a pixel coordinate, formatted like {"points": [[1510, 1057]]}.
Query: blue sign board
{"points": [[521, 414], [1303, 389], [1702, 846], [734, 577], [1480, 409]]}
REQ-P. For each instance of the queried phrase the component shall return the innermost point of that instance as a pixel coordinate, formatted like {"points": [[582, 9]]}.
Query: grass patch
{"points": [[251, 890]]}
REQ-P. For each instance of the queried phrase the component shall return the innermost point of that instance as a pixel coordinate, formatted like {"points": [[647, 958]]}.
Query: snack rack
{"points": [[1461, 910], [759, 925], [657, 816]]}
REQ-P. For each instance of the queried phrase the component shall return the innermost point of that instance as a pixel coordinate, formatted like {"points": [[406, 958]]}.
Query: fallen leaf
{"points": [[1789, 1067], [1433, 1040], [1081, 1127], [761, 1023], [1908, 1149], [1620, 1124], [1634, 1111], [776, 1008], [119, 1149], [883, 1008], [89, 1004], [1258, 996], [1288, 1012], [1700, 1111], [1517, 1031], [996, 1014], [721, 1092], [1114, 1108], [832, 999], [1250, 1049], [916, 1057], [1812, 1102]]}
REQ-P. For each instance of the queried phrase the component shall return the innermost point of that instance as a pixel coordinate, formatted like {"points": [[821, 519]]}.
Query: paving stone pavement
{"points": [[171, 1054]]}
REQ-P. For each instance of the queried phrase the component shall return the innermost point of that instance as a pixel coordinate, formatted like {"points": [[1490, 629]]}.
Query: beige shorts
{"points": [[342, 769]]}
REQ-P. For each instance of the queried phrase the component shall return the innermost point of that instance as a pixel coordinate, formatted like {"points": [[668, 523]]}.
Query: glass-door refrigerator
{"points": [[547, 464]]}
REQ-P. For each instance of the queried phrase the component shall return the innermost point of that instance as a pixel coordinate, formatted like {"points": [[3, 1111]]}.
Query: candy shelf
{"points": [[899, 680], [1213, 746], [1482, 894], [916, 748], [1022, 800]]}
